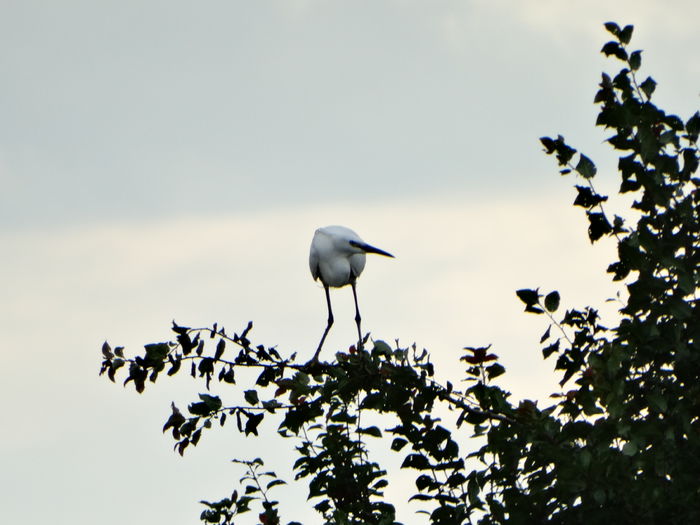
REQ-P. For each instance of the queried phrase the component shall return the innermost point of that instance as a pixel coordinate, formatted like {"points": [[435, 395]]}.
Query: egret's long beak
{"points": [[367, 248]]}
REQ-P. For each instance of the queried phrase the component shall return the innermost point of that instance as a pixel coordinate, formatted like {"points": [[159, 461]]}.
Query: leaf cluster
{"points": [[631, 416], [320, 406]]}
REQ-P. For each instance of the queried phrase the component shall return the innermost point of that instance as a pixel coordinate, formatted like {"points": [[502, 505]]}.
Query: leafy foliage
{"points": [[621, 444], [320, 406]]}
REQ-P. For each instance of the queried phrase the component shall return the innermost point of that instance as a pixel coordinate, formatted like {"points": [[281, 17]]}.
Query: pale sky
{"points": [[168, 160]]}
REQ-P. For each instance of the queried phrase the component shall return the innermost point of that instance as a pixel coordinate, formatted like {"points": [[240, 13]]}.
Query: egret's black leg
{"points": [[358, 319], [328, 325]]}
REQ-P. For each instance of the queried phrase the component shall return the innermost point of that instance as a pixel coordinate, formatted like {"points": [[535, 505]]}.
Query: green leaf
{"points": [[598, 226], [271, 405], [585, 458], [613, 28], [545, 335], [657, 402], [175, 367], [614, 48], [398, 443], [630, 448], [599, 496], [206, 366], [373, 400], [585, 167], [551, 301], [183, 338], [563, 152], [156, 352], [251, 396], [251, 425], [626, 34], [424, 482], [220, 347], [213, 402], [175, 420], [635, 60], [371, 431], [456, 479], [528, 296], [648, 86], [416, 461], [473, 489], [381, 348], [495, 370], [549, 350], [199, 409], [549, 145], [586, 198], [680, 309], [117, 363], [138, 375]]}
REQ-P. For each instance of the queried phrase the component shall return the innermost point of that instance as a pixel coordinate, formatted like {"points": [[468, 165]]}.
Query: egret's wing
{"points": [[313, 262], [357, 264]]}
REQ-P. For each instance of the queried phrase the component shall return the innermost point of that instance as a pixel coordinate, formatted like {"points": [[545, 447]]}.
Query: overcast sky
{"points": [[168, 160]]}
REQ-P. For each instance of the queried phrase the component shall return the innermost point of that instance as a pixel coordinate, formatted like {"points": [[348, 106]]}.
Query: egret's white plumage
{"points": [[337, 258]]}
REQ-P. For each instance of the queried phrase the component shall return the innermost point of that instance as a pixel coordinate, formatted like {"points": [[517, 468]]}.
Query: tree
{"points": [[620, 444]]}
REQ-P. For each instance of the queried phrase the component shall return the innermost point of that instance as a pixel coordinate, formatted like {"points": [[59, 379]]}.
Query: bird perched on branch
{"points": [[337, 258]]}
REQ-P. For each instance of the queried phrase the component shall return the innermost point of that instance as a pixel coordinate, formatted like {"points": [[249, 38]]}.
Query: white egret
{"points": [[337, 258]]}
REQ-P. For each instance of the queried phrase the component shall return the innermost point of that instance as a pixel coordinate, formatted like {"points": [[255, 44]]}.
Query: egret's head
{"points": [[342, 240]]}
